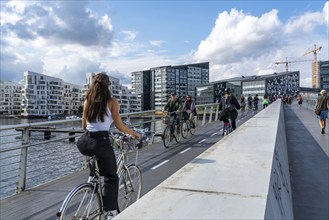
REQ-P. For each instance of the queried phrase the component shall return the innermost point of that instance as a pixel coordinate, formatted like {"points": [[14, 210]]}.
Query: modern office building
{"points": [[45, 95], [154, 86], [277, 84], [141, 85], [128, 101], [10, 98], [324, 75]]}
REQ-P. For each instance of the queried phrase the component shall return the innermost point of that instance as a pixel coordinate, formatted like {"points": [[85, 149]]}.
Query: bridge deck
{"points": [[308, 160]]}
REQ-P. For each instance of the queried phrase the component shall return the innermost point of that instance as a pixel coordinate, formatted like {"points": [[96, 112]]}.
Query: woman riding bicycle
{"points": [[188, 109], [99, 111], [230, 104]]}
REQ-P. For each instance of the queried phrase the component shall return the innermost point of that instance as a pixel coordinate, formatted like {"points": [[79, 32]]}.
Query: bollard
{"points": [[47, 135], [71, 139]]}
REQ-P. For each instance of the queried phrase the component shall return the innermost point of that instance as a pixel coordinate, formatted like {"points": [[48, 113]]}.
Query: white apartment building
{"points": [[128, 101], [10, 98], [45, 95]]}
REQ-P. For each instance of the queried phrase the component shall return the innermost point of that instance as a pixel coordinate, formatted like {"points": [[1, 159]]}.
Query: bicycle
{"points": [[172, 130], [188, 126], [85, 200]]}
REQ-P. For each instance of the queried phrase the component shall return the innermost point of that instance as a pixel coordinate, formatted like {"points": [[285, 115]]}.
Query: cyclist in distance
{"points": [[173, 106], [231, 104], [99, 111], [189, 109], [249, 101]]}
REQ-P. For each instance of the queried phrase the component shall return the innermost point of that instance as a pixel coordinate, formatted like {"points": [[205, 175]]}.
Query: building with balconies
{"points": [[10, 98], [128, 101], [46, 95], [155, 85]]}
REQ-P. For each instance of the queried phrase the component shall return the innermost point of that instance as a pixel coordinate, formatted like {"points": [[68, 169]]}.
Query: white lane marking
{"points": [[213, 134], [202, 141], [160, 164], [185, 150]]}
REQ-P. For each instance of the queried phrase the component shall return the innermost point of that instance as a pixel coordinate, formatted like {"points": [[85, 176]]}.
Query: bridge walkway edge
{"points": [[308, 152]]}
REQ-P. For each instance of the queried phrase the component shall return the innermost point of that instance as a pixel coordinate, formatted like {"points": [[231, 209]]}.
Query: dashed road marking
{"points": [[202, 141], [160, 164], [185, 150], [213, 134]]}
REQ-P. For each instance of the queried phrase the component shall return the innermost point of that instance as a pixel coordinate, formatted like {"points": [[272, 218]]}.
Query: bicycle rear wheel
{"points": [[178, 133], [185, 128], [130, 186], [81, 203], [166, 138]]}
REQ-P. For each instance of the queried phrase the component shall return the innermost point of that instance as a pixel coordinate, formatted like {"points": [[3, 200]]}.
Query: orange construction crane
{"points": [[315, 72], [287, 62]]}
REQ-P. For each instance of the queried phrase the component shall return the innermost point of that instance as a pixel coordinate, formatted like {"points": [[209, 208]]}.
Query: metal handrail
{"points": [[30, 153]]}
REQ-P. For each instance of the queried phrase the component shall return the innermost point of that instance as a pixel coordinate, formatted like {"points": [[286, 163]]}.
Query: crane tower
{"points": [[315, 67], [287, 62]]}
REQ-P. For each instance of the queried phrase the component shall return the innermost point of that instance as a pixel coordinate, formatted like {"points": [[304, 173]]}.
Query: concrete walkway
{"points": [[308, 152]]}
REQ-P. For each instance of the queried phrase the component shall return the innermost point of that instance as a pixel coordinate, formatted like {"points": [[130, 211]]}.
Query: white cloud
{"points": [[241, 44]]}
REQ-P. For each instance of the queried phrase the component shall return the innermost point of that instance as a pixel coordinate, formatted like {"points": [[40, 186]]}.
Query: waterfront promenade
{"points": [[308, 163]]}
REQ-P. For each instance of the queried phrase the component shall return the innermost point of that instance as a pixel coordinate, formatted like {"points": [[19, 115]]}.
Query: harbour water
{"points": [[45, 162]]}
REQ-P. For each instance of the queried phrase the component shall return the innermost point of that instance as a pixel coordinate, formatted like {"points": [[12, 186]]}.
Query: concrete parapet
{"points": [[243, 176]]}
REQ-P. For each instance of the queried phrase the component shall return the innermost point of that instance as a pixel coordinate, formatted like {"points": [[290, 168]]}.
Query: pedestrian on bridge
{"points": [[322, 103], [99, 111]]}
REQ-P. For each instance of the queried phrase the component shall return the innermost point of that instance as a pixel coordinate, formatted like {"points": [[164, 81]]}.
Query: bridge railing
{"points": [[35, 153]]}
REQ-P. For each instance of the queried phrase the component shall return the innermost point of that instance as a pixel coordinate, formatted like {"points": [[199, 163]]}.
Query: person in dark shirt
{"points": [[173, 106], [322, 103], [230, 103]]}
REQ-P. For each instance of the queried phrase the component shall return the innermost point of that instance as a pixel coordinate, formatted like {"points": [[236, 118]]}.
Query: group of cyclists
{"points": [[174, 106], [228, 106]]}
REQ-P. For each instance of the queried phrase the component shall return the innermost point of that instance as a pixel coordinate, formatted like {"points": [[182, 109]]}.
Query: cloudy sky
{"points": [[67, 39]]}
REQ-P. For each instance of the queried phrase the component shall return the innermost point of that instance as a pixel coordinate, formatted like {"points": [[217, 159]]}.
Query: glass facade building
{"points": [[324, 75]]}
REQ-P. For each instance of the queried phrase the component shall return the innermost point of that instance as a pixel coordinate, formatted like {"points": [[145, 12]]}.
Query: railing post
{"points": [[204, 115], [23, 162], [210, 115], [217, 109], [153, 121]]}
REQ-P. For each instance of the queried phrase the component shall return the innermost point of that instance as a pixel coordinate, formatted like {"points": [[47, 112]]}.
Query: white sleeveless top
{"points": [[101, 126]]}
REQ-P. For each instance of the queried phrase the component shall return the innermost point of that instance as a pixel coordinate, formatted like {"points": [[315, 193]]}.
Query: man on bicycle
{"points": [[173, 106], [188, 109], [229, 104]]}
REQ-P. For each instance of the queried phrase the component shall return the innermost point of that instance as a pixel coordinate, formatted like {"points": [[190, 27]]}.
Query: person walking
{"points": [[230, 104], [322, 103], [265, 101], [99, 112], [300, 101]]}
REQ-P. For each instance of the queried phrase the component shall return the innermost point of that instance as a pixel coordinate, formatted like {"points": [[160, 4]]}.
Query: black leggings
{"points": [[233, 123], [100, 145]]}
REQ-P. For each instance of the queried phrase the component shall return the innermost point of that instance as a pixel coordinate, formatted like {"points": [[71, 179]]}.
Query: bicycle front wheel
{"points": [[82, 203], [166, 137], [192, 126], [130, 186], [185, 128]]}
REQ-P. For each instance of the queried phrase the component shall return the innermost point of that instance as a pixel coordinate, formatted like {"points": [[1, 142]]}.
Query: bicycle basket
{"points": [[167, 120]]}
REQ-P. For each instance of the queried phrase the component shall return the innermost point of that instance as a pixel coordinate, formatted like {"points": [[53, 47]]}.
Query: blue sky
{"points": [[67, 39]]}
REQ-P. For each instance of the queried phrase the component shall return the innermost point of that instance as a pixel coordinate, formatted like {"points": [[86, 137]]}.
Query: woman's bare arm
{"points": [[114, 107]]}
